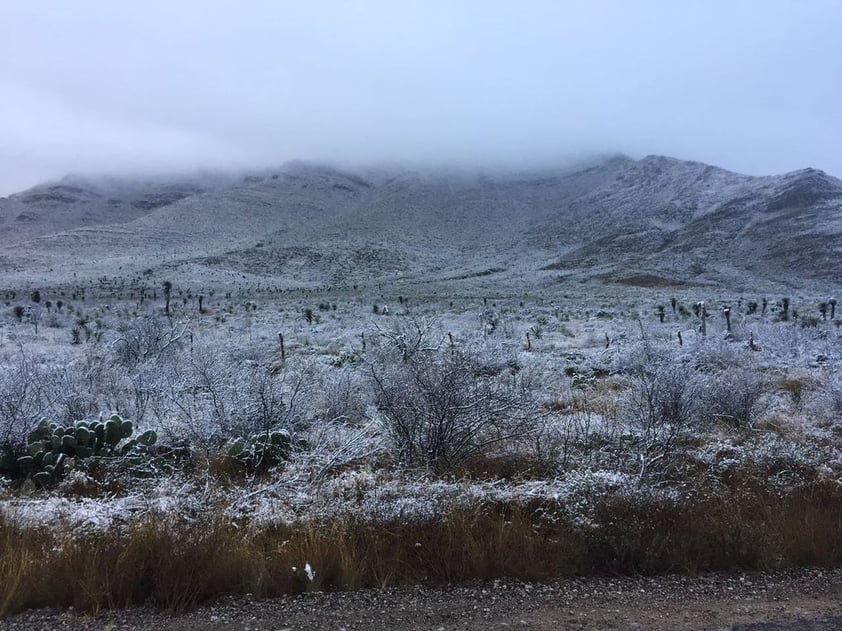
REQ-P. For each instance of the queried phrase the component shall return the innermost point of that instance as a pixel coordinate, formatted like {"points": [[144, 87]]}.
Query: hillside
{"points": [[660, 219]]}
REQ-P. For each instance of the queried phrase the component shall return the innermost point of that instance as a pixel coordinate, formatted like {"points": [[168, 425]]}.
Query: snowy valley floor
{"points": [[440, 445]]}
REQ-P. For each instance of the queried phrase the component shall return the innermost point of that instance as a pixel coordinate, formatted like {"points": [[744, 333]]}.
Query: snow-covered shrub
{"points": [[205, 399], [734, 396], [834, 392], [30, 389], [148, 338], [343, 397], [442, 407], [659, 408], [572, 438]]}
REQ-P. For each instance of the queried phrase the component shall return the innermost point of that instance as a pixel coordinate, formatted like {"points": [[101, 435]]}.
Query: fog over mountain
{"points": [[653, 222], [139, 88]]}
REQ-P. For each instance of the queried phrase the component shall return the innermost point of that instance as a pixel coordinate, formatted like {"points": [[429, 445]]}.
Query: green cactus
{"points": [[126, 427], [26, 464], [42, 478], [260, 452], [42, 431], [52, 445], [99, 431], [147, 438], [113, 432]]}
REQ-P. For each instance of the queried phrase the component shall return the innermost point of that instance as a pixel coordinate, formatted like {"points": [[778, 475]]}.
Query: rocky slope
{"points": [[655, 221]]}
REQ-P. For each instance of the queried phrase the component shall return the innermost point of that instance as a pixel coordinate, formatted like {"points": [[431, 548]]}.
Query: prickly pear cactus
{"points": [[52, 446], [260, 452]]}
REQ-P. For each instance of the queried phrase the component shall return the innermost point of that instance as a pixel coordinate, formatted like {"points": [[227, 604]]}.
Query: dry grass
{"points": [[177, 564]]}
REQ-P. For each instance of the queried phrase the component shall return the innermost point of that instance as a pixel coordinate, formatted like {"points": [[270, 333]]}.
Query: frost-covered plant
{"points": [[343, 397], [834, 392], [571, 438], [660, 404], [29, 390], [52, 445], [205, 399], [259, 452], [408, 336], [147, 339], [734, 396], [441, 407]]}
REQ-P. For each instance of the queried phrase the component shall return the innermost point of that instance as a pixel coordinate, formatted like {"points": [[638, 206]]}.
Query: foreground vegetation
{"points": [[177, 563], [278, 445]]}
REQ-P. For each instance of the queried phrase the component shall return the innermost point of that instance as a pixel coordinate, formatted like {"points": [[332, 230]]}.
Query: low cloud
{"points": [[158, 86]]}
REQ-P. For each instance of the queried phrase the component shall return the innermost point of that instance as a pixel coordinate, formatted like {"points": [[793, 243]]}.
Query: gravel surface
{"points": [[803, 600]]}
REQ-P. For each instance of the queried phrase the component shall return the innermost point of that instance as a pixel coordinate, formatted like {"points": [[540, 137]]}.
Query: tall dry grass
{"points": [[177, 564]]}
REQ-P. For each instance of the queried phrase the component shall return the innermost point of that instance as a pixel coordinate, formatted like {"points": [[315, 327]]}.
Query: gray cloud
{"points": [[94, 86]]}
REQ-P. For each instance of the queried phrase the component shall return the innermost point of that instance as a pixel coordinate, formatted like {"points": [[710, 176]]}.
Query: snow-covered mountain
{"points": [[658, 219]]}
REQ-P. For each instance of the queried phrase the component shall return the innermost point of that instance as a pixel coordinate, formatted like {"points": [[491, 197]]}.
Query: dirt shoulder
{"points": [[803, 599]]}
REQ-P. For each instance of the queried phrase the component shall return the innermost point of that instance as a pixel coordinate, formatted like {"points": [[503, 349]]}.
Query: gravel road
{"points": [[803, 600]]}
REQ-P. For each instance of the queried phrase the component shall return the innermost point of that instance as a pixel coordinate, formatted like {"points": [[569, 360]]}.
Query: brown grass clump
{"points": [[177, 564]]}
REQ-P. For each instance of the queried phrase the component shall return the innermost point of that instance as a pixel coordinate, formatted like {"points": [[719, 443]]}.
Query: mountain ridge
{"points": [[319, 224]]}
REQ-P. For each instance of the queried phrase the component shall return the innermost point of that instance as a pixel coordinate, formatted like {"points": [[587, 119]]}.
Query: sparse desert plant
{"points": [[167, 287], [570, 432], [441, 407], [258, 453], [145, 339], [52, 447], [734, 396], [18, 312], [205, 399], [659, 406], [409, 336], [343, 399], [23, 398], [834, 394]]}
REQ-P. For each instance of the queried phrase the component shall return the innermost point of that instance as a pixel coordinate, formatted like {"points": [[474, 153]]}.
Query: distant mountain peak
{"points": [[602, 217]]}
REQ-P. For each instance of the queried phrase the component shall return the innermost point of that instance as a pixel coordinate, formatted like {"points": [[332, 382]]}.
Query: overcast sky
{"points": [[163, 85]]}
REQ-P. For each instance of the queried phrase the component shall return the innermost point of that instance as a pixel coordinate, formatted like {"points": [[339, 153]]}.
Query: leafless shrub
{"points": [[659, 408], [572, 437], [409, 336], [660, 404], [146, 339], [441, 407], [734, 396], [23, 400], [834, 392], [62, 389], [712, 357], [335, 445], [204, 399], [343, 399]]}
